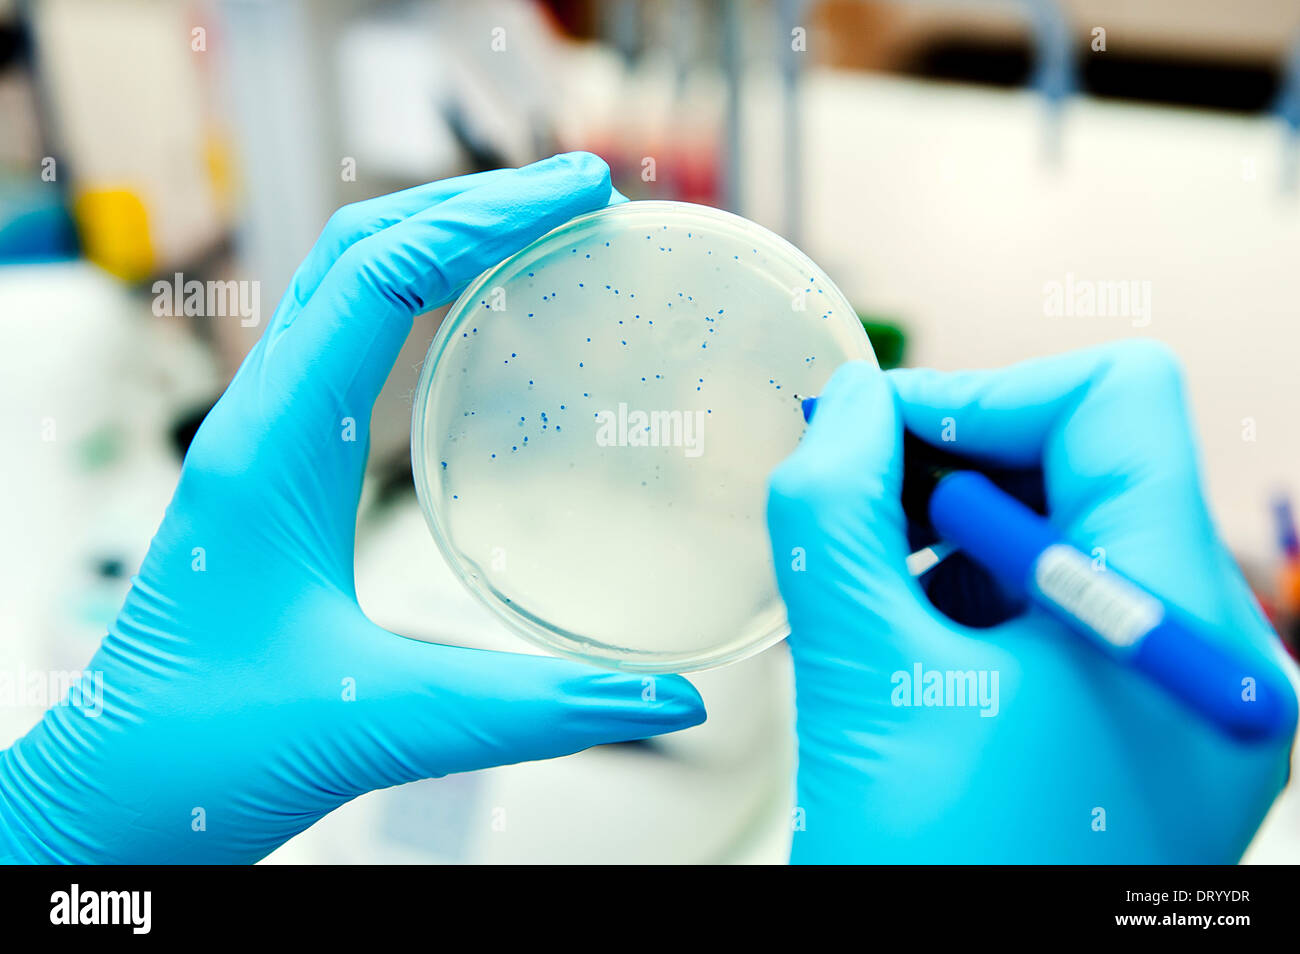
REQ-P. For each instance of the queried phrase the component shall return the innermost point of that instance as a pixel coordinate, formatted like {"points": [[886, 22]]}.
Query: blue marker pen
{"points": [[1231, 689]]}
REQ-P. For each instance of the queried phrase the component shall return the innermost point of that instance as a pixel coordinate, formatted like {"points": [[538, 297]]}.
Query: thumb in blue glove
{"points": [[1052, 753], [245, 694]]}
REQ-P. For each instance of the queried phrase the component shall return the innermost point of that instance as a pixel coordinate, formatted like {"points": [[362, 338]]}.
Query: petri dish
{"points": [[596, 421]]}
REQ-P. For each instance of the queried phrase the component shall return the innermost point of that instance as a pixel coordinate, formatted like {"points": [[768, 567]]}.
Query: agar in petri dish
{"points": [[596, 422]]}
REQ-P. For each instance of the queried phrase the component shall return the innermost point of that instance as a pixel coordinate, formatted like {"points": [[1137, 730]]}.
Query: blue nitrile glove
{"points": [[245, 695], [1073, 759]]}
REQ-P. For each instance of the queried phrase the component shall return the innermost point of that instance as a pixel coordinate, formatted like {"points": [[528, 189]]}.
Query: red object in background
{"points": [[697, 177], [687, 173]]}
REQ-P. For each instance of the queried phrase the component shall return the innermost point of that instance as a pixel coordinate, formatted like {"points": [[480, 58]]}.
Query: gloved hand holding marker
{"points": [[1023, 743], [1028, 555]]}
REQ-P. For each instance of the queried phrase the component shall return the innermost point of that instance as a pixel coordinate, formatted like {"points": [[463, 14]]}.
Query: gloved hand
{"points": [[245, 695], [1073, 758]]}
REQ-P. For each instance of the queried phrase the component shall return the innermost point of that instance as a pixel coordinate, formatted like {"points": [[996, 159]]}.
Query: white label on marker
{"points": [[1109, 605]]}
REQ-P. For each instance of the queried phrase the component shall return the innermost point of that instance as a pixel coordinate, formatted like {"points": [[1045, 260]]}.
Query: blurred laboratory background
{"points": [[965, 170]]}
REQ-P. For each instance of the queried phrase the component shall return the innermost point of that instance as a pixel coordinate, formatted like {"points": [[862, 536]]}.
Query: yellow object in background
{"points": [[114, 227], [132, 108]]}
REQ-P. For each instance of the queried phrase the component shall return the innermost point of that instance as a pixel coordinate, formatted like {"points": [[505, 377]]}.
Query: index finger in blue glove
{"points": [[357, 220], [342, 347], [316, 377], [835, 512]]}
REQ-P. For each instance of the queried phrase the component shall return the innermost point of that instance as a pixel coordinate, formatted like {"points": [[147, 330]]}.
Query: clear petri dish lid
{"points": [[596, 422]]}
